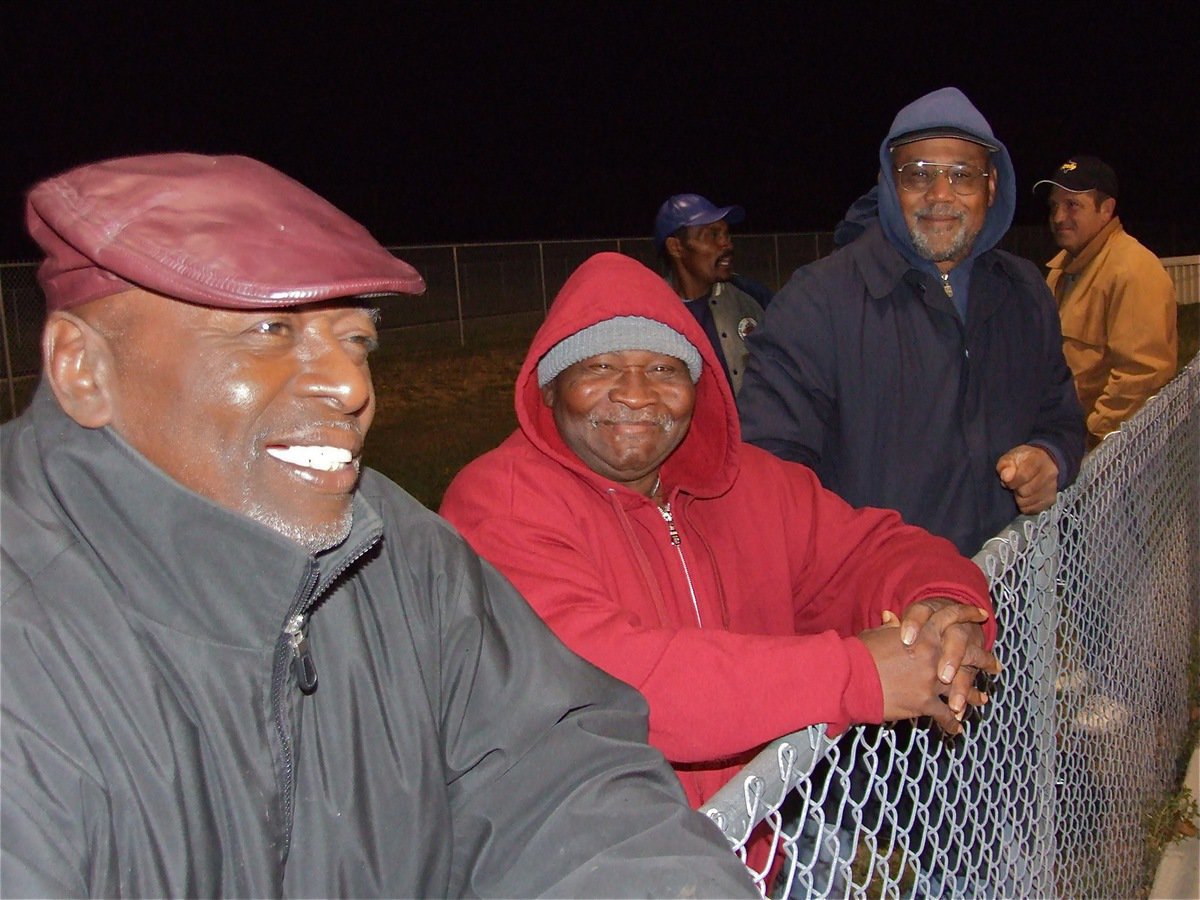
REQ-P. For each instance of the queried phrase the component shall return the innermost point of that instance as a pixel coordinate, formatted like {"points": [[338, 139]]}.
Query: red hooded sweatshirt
{"points": [[784, 572]]}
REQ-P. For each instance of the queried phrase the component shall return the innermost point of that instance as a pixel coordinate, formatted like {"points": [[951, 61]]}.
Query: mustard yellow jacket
{"points": [[1117, 306]]}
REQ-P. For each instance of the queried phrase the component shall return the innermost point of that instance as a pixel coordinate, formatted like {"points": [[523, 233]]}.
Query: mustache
{"points": [[941, 211], [662, 420], [311, 432]]}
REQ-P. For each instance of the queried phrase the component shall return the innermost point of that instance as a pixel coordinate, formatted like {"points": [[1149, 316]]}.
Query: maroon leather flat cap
{"points": [[223, 231]]}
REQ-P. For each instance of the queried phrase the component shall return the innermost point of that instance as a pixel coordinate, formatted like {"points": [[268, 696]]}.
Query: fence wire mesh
{"points": [[1049, 790]]}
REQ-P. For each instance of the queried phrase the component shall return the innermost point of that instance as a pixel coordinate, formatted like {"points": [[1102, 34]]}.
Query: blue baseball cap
{"points": [[690, 209]]}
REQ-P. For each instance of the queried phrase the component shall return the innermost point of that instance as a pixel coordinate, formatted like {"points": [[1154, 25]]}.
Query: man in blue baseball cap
{"points": [[692, 237]]}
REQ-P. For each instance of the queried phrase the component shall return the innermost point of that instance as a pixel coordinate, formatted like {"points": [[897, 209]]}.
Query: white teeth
{"points": [[324, 459]]}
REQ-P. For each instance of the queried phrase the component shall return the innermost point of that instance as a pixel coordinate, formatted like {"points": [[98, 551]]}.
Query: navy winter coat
{"points": [[865, 372]]}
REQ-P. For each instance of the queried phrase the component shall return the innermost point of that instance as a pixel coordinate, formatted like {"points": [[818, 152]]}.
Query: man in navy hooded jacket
{"points": [[919, 368]]}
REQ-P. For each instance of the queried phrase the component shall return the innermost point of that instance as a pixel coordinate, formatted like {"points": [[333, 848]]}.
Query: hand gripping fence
{"points": [[1048, 791]]}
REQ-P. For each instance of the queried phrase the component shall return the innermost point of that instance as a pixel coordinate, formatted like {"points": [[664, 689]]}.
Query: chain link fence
{"points": [[1097, 601], [22, 311], [467, 285], [1049, 791]]}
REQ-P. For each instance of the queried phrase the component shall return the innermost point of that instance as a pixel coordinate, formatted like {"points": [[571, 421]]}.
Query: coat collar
{"points": [[883, 267], [179, 559], [1075, 265]]}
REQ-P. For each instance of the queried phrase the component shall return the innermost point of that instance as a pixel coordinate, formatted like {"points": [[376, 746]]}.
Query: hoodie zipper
{"points": [[676, 542]]}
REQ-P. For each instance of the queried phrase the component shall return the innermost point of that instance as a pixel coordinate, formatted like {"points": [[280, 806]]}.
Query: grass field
{"points": [[441, 405]]}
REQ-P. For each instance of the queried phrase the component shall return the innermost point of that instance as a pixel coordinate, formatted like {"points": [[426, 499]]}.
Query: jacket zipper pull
{"points": [[306, 669], [669, 518]]}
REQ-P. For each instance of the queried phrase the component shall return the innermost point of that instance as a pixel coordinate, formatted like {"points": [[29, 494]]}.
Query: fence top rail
{"points": [[15, 263], [629, 238], [1166, 260], [619, 239]]}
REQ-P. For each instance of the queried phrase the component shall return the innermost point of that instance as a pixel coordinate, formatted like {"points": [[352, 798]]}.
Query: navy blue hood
{"points": [[862, 212], [947, 107]]}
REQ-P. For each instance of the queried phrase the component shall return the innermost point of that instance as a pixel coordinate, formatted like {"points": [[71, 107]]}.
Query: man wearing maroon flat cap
{"points": [[233, 663]]}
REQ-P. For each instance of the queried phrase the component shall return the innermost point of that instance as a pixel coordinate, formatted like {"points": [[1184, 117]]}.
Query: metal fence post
{"points": [[8, 370], [542, 271], [462, 334], [775, 241]]}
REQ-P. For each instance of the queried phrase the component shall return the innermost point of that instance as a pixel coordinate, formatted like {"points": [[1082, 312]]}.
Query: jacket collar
{"points": [[881, 264], [178, 558], [883, 267], [1075, 265]]}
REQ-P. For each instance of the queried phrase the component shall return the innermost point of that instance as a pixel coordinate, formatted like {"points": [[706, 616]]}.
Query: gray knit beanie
{"points": [[620, 333]]}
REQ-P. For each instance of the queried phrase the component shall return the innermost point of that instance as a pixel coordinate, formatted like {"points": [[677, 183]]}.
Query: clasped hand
{"points": [[928, 660]]}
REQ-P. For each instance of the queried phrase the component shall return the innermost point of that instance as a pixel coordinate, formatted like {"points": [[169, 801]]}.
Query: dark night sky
{"points": [[490, 121]]}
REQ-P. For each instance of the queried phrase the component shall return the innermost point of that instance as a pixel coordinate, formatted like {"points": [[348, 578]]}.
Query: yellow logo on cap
{"points": [[1069, 166]]}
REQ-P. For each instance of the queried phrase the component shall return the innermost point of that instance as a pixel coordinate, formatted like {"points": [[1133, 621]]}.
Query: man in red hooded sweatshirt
{"points": [[740, 597]]}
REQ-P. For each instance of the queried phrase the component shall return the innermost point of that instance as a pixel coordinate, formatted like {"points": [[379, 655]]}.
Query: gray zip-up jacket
{"points": [[156, 740]]}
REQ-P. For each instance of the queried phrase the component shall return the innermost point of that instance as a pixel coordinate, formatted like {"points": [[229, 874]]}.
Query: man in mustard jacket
{"points": [[1115, 299]]}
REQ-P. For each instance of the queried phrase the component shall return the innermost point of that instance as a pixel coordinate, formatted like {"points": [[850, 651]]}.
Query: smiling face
{"points": [[623, 413], [1078, 216], [943, 224], [701, 257], [262, 411]]}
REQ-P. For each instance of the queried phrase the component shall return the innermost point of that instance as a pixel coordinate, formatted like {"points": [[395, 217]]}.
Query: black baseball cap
{"points": [[1083, 173]]}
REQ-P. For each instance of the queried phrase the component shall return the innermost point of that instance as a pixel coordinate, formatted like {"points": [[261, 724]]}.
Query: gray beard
{"points": [[957, 249]]}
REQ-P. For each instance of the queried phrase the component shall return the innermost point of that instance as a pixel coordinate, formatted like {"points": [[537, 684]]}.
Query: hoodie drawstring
{"points": [[698, 534], [643, 564]]}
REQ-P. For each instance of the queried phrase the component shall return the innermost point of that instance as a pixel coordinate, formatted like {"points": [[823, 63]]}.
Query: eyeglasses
{"points": [[919, 177]]}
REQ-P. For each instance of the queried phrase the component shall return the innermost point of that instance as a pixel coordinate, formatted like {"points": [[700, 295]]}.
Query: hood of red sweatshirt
{"points": [[606, 286]]}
